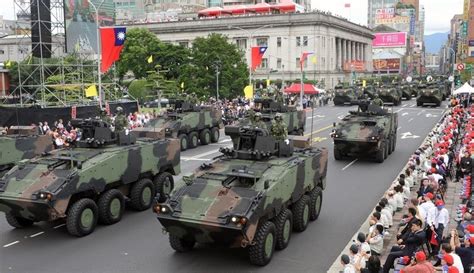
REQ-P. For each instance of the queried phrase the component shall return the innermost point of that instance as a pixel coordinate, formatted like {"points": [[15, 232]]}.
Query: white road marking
{"points": [[421, 112], [404, 114], [399, 110], [408, 135], [196, 159], [58, 226], [10, 244], [399, 128], [225, 140], [410, 120], [350, 164], [36, 234]]}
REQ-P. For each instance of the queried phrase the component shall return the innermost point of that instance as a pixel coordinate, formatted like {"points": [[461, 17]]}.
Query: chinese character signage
{"points": [[354, 66], [386, 64], [392, 39]]}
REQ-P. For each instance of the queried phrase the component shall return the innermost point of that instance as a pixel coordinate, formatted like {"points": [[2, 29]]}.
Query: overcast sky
{"points": [[438, 12]]}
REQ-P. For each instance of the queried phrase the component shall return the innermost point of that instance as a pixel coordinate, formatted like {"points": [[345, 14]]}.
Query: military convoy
{"points": [[371, 132], [346, 95], [191, 124], [390, 94], [407, 92], [429, 94], [22, 142], [250, 197], [91, 181]]}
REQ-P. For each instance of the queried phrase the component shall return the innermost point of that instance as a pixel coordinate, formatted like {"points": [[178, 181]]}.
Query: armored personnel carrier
{"points": [[370, 91], [22, 142], [91, 181], [369, 132], [407, 93], [429, 94], [294, 119], [346, 95], [191, 124], [249, 197], [390, 94]]}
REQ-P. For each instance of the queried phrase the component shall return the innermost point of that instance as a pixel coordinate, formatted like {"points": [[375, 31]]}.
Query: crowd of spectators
{"points": [[423, 241]]}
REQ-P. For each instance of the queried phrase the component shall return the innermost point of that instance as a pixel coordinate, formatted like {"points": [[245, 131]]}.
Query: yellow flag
{"points": [[268, 83], [91, 91], [150, 59], [182, 85], [364, 83], [8, 64], [314, 59], [248, 92]]}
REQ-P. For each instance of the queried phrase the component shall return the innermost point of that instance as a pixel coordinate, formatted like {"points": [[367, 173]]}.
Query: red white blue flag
{"points": [[304, 56], [112, 39], [257, 55]]}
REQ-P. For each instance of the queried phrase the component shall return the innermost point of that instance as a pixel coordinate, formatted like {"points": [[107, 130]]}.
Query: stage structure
{"points": [[53, 71]]}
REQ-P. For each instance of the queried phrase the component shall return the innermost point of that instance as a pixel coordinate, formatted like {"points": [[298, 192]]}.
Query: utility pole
{"points": [[99, 81]]}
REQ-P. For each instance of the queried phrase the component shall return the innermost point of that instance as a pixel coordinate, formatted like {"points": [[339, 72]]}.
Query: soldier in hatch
{"points": [[377, 101], [104, 117], [258, 122], [121, 122], [279, 128]]}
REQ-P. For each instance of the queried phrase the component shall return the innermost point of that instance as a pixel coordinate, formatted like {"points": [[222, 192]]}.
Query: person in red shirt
{"points": [[419, 265]]}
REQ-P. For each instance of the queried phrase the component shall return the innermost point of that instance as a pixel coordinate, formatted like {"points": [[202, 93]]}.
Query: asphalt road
{"points": [[137, 244]]}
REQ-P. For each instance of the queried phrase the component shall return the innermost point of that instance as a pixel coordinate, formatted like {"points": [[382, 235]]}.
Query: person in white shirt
{"points": [[346, 263], [392, 203], [398, 196], [441, 219], [386, 211], [447, 250], [375, 240], [406, 189], [383, 217]]}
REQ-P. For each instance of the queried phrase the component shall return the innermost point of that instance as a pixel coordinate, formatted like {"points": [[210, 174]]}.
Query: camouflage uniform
{"points": [[279, 128], [258, 122], [121, 121], [377, 101], [105, 118]]}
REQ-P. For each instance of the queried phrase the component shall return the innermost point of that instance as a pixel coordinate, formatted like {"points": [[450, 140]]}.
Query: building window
{"points": [[298, 41], [241, 43], [3, 52], [305, 40], [264, 63], [324, 42], [278, 41], [298, 63], [262, 41], [279, 63]]}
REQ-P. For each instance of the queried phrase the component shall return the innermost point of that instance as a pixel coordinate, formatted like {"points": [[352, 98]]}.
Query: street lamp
{"points": [[452, 68], [96, 9], [217, 66], [250, 35]]}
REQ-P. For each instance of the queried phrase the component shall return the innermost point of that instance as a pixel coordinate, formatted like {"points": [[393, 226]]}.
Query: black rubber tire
{"points": [[379, 156], [301, 213], [73, 220], [315, 203], [419, 104], [18, 222], [387, 147], [181, 245], [136, 192], [205, 137], [257, 253], [184, 142], [438, 104], [280, 221], [164, 184], [337, 154], [390, 145], [105, 200], [215, 134], [193, 140]]}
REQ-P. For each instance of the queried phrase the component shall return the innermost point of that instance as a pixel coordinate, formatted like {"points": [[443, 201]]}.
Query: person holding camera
{"points": [[419, 264], [466, 252]]}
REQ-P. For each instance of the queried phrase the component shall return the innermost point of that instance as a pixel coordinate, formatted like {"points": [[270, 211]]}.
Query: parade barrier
{"points": [[15, 115]]}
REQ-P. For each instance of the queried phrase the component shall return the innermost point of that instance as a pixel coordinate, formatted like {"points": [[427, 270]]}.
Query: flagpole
{"points": [[99, 80]]}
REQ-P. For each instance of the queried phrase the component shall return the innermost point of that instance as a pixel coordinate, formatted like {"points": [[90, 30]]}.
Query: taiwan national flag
{"points": [[303, 58], [257, 55], [112, 39]]}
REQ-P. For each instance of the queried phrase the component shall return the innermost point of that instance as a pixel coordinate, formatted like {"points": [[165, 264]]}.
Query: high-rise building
{"points": [[415, 4], [379, 10]]}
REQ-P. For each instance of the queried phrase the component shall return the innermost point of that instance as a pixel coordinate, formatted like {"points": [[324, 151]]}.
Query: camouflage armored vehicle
{"points": [[406, 91], [191, 124], [22, 142], [429, 94], [294, 119], [370, 91], [369, 132], [390, 94], [346, 95], [90, 182], [250, 197]]}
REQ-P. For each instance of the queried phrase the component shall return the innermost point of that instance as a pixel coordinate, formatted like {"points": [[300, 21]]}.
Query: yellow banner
{"points": [[91, 91], [465, 14], [364, 83], [248, 92], [150, 59]]}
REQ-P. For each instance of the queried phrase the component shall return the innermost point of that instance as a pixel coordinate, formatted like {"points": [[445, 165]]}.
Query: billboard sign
{"points": [[391, 39], [81, 23], [386, 64], [357, 66]]}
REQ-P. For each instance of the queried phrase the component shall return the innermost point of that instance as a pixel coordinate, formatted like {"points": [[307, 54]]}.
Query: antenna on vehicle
{"points": [[312, 121]]}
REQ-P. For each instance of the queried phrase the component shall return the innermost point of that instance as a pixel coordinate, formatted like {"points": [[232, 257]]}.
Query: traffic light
{"points": [[457, 80]]}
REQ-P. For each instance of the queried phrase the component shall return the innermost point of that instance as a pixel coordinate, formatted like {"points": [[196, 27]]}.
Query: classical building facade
{"points": [[341, 49]]}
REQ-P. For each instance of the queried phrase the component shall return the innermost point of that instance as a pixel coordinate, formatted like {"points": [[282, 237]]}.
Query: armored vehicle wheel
{"points": [[141, 194], [390, 145], [419, 104], [18, 222], [164, 184], [315, 203], [181, 245], [261, 252], [183, 140], [337, 154], [301, 213], [379, 156], [438, 104], [111, 205], [205, 137], [387, 147], [82, 217], [193, 140], [215, 134], [283, 224]]}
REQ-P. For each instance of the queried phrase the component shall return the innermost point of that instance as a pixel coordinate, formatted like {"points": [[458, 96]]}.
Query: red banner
{"points": [[357, 66], [73, 112], [387, 64], [107, 108]]}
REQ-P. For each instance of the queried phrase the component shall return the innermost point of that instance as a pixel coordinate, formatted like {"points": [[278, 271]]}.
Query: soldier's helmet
{"points": [[278, 116], [258, 115], [119, 109], [376, 95], [103, 112]]}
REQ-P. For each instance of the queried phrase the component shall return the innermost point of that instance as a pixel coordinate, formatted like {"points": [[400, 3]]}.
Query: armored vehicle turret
{"points": [[371, 131], [191, 124], [294, 119], [250, 197], [91, 181]]}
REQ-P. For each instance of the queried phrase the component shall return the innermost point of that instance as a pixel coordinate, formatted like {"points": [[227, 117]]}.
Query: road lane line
{"points": [[58, 226], [410, 120], [400, 127], [399, 110], [225, 140], [10, 244], [195, 159], [350, 164], [319, 130], [36, 234]]}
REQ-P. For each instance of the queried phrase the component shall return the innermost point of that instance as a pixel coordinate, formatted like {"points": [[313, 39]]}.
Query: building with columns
{"points": [[341, 48]]}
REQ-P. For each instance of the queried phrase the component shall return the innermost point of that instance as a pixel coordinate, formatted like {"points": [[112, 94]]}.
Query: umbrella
{"points": [[465, 89], [295, 88]]}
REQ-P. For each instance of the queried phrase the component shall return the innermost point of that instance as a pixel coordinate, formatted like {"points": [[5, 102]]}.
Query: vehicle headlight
{"points": [[161, 209], [44, 195], [167, 129], [239, 220]]}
